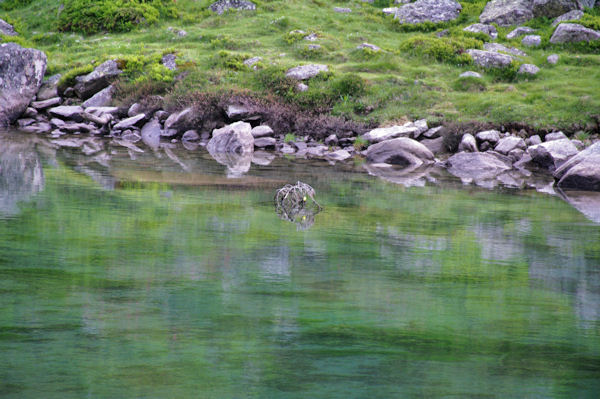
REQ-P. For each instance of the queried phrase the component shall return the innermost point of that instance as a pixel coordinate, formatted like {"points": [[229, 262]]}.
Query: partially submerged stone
{"points": [[581, 171], [476, 166], [401, 151], [234, 138], [552, 154]]}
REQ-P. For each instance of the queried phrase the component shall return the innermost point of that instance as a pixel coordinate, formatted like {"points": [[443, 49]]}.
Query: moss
{"points": [[68, 79]]}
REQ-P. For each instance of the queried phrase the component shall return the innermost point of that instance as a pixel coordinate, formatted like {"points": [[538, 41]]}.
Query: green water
{"points": [[164, 279]]}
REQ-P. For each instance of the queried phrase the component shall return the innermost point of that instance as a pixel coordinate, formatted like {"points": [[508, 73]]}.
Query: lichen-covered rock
{"points": [[21, 74], [500, 48], [401, 151], [528, 69], [7, 29], [169, 61], [101, 99], [553, 8], [507, 144], [470, 74], [305, 72], [468, 143], [428, 11], [520, 31], [491, 136], [98, 79], [490, 59], [572, 33], [221, 6], [531, 41], [507, 12], [569, 16], [489, 30], [368, 46], [387, 133]]}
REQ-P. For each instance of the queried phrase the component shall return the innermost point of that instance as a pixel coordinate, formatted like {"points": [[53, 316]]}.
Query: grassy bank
{"points": [[414, 76]]}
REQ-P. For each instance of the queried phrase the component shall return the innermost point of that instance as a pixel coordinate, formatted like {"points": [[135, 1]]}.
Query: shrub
{"points": [[445, 49], [92, 16], [232, 61], [469, 83]]}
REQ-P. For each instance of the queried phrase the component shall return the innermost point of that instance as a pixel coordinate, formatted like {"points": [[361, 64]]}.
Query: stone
{"points": [[221, 6], [531, 40], [178, 120], [491, 136], [421, 127], [569, 16], [581, 171], [573, 33], [101, 77], [386, 133], [21, 74], [555, 136], [99, 120], [390, 10], [500, 48], [72, 112], [489, 30], [241, 113], [312, 37], [190, 135], [101, 99], [552, 154], [435, 145], [368, 46], [552, 59], [507, 144], [250, 62], [305, 72], [470, 74], [261, 131], [7, 29], [178, 32], [520, 31], [134, 110], [507, 12], [99, 111], [25, 122], [401, 151], [30, 113], [475, 166], [48, 88], [428, 11], [301, 87], [130, 122], [553, 8], [468, 143], [433, 133], [489, 59], [40, 127], [51, 102], [533, 140], [528, 69], [331, 140], [263, 142], [235, 138], [339, 155], [168, 60], [342, 10], [150, 133]]}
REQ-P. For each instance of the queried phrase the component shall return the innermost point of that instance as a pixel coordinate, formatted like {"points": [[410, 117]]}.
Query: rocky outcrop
{"points": [[21, 74], [221, 6], [507, 12], [401, 151], [582, 171], [490, 59], [428, 11], [7, 29], [98, 79], [572, 33], [305, 72]]}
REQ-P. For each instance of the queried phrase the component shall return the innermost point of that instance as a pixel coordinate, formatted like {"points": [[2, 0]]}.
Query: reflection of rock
{"points": [[21, 173], [237, 165], [586, 202], [409, 176]]}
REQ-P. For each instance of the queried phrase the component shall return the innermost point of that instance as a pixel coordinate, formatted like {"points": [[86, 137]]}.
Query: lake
{"points": [[158, 274]]}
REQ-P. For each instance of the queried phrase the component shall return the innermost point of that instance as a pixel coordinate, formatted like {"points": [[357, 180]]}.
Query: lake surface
{"points": [[165, 278]]}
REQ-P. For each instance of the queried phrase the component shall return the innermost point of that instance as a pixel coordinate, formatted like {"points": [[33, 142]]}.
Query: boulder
{"points": [[528, 69], [130, 122], [332, 139], [72, 112], [387, 133], [21, 74], [569, 16], [507, 144], [177, 121], [490, 59], [261, 131], [151, 133], [531, 40], [470, 74], [7, 29], [552, 154], [507, 12], [428, 11], [581, 171], [250, 62], [221, 6], [51, 102], [572, 33], [475, 166], [435, 145], [489, 30], [101, 99], [48, 88], [101, 77], [339, 155], [533, 140], [235, 138], [555, 136], [241, 113], [500, 48], [401, 151], [468, 143], [491, 136], [263, 142], [305, 72], [520, 31], [553, 8]]}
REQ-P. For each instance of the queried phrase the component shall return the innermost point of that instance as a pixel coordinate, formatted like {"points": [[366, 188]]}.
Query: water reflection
{"points": [[21, 173]]}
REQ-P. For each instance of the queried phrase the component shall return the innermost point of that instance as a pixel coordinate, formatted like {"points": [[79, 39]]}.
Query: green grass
{"points": [[414, 76]]}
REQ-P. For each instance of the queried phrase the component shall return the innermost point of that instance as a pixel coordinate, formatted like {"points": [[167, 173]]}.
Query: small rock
{"points": [[491, 136], [555, 136], [150, 133], [21, 123], [489, 59], [552, 59], [311, 37], [305, 72], [507, 144], [470, 74], [500, 48], [130, 122], [46, 103], [30, 113], [331, 140], [250, 62], [100, 78], [287, 149], [101, 99], [528, 69], [261, 131], [177, 120], [72, 112], [221, 6], [190, 135], [301, 87], [368, 46], [263, 142], [49, 88], [134, 110], [168, 60], [342, 10], [339, 155], [573, 15], [489, 30], [533, 140], [99, 111], [520, 31], [433, 132], [7, 29], [531, 40], [468, 143]]}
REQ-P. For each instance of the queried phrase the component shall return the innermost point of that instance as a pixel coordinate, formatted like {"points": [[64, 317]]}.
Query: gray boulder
{"points": [[552, 154], [507, 12], [387, 133], [582, 171], [401, 151], [490, 59], [150, 133], [555, 136], [339, 155], [7, 29], [235, 138], [476, 166], [305, 72], [262, 142], [236, 112], [190, 135], [500, 48], [468, 143], [49, 88], [261, 131], [489, 30], [342, 10], [368, 46], [528, 69], [101, 99], [98, 79], [553, 8], [72, 112], [428, 11], [570, 16], [572, 33], [178, 120], [552, 59], [221, 6], [507, 144], [21, 74], [130, 122], [533, 140], [491, 136], [531, 41], [51, 102], [520, 31]]}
